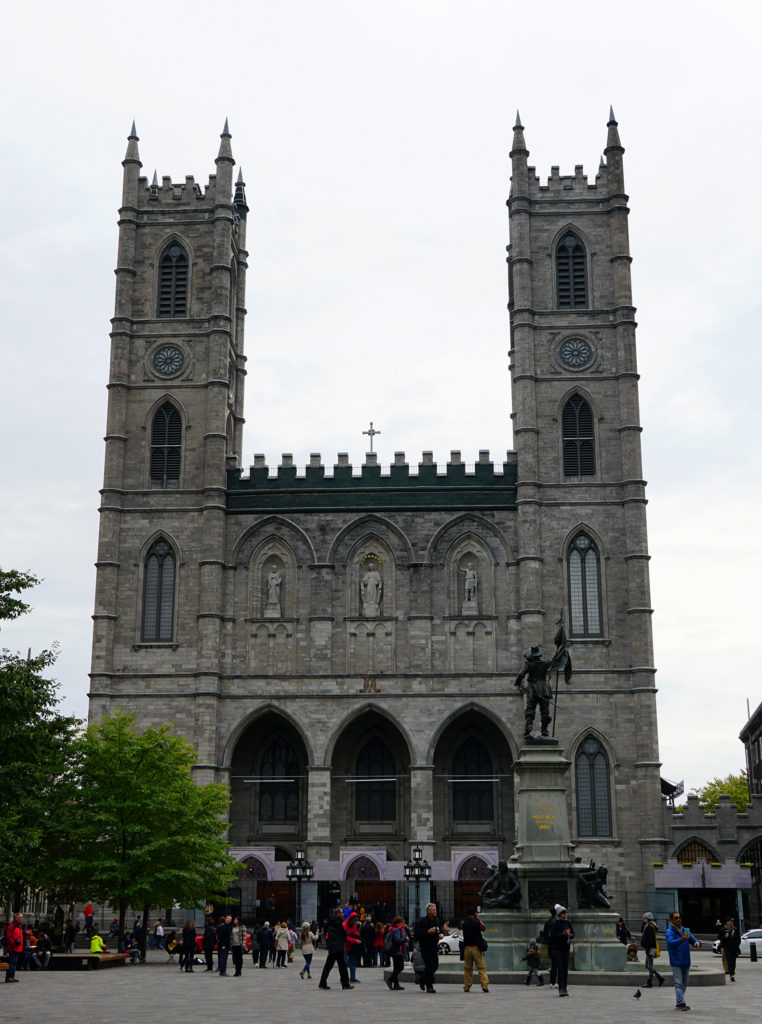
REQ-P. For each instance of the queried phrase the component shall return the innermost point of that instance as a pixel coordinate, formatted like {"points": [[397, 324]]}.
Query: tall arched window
{"points": [[591, 768], [279, 783], [376, 786], [584, 587], [571, 273], [159, 593], [166, 446], [173, 282], [578, 437], [472, 800]]}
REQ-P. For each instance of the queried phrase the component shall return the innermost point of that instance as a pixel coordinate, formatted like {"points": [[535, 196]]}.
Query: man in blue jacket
{"points": [[679, 940]]}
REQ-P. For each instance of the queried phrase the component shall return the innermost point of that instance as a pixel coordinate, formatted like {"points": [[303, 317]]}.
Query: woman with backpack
{"points": [[396, 945]]}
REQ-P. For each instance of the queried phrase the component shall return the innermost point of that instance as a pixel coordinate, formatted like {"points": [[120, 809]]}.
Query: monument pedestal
{"points": [[546, 867]]}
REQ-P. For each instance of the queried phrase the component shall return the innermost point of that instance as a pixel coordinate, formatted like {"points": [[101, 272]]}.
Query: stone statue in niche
{"points": [[273, 580], [470, 589], [371, 588]]}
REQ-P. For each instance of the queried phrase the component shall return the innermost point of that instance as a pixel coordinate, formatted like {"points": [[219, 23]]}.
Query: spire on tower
{"points": [[239, 200], [519, 145], [155, 182], [225, 153], [518, 123], [132, 155], [612, 141]]}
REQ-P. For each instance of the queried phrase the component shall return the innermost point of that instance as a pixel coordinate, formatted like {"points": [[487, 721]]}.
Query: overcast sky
{"points": [[374, 140]]}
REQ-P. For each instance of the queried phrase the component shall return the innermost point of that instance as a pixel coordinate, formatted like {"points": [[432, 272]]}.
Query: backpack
{"points": [[389, 942]]}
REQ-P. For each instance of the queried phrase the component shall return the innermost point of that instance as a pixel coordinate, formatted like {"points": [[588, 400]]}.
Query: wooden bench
{"points": [[86, 962]]}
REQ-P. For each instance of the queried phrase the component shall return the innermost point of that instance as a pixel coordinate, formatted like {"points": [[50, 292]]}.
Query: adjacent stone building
{"points": [[341, 643]]}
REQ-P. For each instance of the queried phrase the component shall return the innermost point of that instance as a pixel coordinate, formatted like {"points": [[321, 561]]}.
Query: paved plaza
{"points": [[159, 991]]}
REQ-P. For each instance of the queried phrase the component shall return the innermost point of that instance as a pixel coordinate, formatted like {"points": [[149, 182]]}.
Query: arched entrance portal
{"points": [[471, 876], [366, 882]]}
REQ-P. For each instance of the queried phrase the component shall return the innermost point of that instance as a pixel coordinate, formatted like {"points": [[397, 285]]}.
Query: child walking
{"points": [[532, 957]]}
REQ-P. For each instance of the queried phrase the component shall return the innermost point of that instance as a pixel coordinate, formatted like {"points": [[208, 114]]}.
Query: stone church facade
{"points": [[341, 643]]}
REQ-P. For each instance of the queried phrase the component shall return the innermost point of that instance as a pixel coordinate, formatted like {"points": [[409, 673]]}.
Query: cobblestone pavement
{"points": [[159, 991]]}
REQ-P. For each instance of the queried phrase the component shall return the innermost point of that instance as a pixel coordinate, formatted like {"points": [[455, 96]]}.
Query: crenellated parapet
{"points": [[455, 485]]}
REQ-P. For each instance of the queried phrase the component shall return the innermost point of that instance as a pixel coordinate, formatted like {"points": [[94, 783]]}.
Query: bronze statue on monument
{"points": [[538, 674]]}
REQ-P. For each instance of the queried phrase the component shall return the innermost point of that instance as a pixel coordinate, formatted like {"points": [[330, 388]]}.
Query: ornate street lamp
{"points": [[417, 868], [299, 870]]}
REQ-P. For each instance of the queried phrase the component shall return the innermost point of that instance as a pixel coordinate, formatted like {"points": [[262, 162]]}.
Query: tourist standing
{"points": [[189, 945], [559, 946], [650, 946], [427, 934], [397, 945], [335, 937], [679, 941], [307, 939], [730, 944], [237, 944], [14, 945], [208, 940], [473, 953]]}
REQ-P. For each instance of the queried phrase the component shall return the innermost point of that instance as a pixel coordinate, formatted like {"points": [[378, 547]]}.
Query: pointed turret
{"points": [[519, 145], [132, 155], [131, 165], [613, 153], [225, 152], [224, 164], [613, 136], [239, 200]]}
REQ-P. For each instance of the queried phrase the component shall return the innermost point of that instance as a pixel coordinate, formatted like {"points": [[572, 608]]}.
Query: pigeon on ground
{"points": [[638, 994]]}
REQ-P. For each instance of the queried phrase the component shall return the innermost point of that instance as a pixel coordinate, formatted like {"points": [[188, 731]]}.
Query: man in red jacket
{"points": [[14, 945]]}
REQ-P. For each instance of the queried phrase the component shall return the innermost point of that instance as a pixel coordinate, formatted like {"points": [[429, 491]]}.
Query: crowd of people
{"points": [[354, 938]]}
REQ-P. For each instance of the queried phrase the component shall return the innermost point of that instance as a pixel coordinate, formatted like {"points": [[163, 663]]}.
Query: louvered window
{"points": [[584, 587], [376, 786], [578, 438], [472, 782], [592, 784], [159, 593], [166, 447], [571, 273], [279, 785], [173, 282]]}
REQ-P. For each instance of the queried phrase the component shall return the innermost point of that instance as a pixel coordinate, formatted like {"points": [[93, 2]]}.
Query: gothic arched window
{"points": [[591, 767], [279, 783], [586, 611], [166, 446], [159, 593], [376, 786], [472, 800], [578, 437], [571, 273], [173, 282]]}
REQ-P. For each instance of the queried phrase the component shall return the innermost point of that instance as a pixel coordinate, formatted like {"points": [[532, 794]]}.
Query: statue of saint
{"points": [[471, 582], [371, 589], [502, 888], [274, 580], [537, 672]]}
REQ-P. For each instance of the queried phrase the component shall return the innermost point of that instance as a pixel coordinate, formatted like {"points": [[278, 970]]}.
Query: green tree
{"points": [[138, 832], [36, 748], [736, 787]]}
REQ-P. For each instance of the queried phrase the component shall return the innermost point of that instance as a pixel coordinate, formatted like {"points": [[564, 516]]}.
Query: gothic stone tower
{"points": [[175, 413], [341, 645], [580, 494]]}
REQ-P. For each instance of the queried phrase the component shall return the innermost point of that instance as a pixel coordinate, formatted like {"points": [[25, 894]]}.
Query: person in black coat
{"points": [[730, 944], [335, 937], [559, 945], [427, 933], [265, 940], [648, 945], [544, 938], [208, 940], [368, 936], [224, 929], [189, 945]]}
